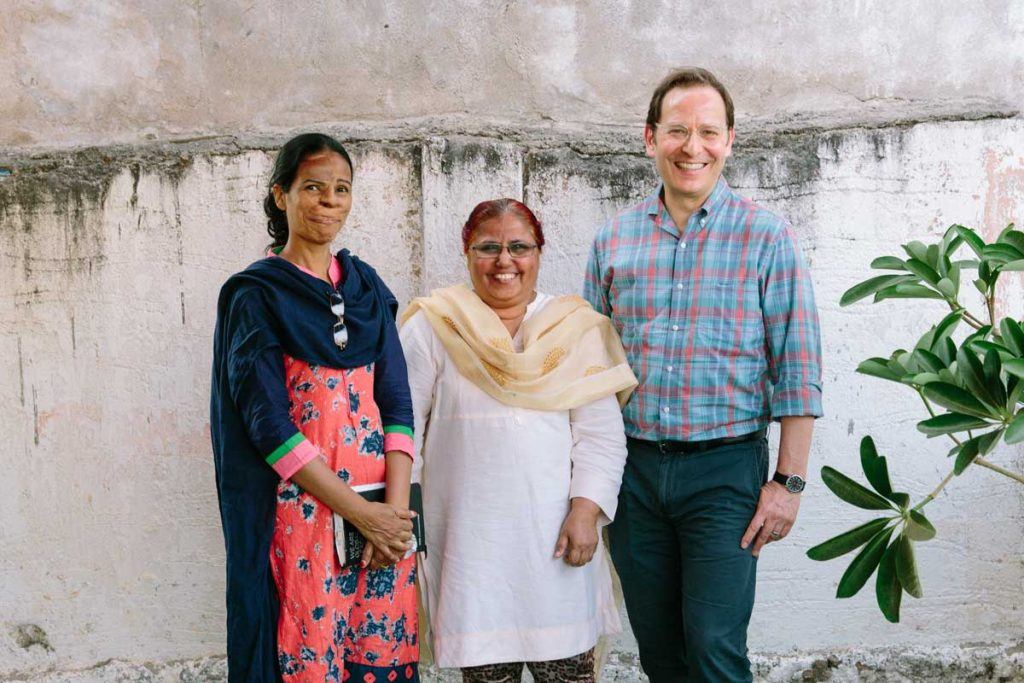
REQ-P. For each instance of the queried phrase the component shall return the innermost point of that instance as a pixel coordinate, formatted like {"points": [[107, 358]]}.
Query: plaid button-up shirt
{"points": [[718, 320]]}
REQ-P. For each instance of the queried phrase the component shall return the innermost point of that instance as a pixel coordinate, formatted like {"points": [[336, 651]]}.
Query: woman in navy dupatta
{"points": [[310, 397]]}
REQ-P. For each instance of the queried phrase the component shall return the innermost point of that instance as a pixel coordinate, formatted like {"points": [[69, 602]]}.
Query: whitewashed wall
{"points": [[110, 263]]}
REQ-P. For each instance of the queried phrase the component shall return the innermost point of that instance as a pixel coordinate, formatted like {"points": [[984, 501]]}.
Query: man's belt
{"points": [[688, 447]]}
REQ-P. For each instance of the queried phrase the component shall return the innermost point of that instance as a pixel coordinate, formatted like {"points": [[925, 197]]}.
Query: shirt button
{"points": [[669, 368], [679, 285], [665, 409], [682, 245], [675, 328], [703, 221]]}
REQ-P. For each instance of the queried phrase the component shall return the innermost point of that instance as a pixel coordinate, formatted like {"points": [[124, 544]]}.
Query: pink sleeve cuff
{"points": [[296, 459], [396, 441]]}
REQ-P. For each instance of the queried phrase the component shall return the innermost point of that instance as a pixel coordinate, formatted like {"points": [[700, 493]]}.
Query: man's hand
{"points": [[776, 512], [577, 540]]}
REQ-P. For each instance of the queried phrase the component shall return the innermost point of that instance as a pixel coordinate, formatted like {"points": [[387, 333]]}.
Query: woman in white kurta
{"points": [[521, 450]]}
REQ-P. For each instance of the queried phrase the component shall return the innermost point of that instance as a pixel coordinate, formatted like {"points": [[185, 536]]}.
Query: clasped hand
{"points": [[388, 532]]}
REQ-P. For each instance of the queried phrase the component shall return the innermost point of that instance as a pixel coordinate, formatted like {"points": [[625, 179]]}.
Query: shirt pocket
{"points": [[729, 320]]}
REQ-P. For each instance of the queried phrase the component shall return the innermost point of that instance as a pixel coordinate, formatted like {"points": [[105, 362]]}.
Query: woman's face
{"points": [[503, 282], [319, 199]]}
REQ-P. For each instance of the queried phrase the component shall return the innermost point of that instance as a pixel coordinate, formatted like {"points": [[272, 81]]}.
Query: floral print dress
{"points": [[338, 623]]}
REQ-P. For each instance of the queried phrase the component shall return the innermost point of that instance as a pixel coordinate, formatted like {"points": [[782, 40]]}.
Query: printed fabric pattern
{"points": [[338, 624]]}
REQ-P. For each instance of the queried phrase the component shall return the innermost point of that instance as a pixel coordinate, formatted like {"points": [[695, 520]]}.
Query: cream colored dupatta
{"points": [[571, 354]]}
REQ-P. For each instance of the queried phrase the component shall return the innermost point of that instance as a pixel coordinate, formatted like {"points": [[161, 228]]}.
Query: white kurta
{"points": [[497, 481]]}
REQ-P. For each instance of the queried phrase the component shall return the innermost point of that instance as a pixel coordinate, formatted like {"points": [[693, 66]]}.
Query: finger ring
{"points": [[775, 534]]}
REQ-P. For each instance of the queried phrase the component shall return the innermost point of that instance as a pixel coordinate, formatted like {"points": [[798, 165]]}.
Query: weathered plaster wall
{"points": [[126, 71], [135, 139], [109, 279]]}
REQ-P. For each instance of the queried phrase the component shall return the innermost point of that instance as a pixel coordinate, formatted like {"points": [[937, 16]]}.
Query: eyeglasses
{"points": [[488, 251], [677, 133], [340, 331]]}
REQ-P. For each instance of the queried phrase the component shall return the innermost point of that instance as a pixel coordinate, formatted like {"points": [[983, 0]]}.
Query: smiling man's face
{"points": [[690, 144]]}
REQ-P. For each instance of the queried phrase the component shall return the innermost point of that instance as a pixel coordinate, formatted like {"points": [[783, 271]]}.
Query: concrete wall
{"points": [[127, 71], [864, 131]]}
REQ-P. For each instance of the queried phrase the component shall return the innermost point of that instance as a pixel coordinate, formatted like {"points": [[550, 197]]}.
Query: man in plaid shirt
{"points": [[714, 305]]}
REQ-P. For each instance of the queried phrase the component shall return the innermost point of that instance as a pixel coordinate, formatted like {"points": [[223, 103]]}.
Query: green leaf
{"points": [[956, 399], [888, 263], [1015, 387], [1013, 336], [888, 591], [968, 451], [981, 286], [929, 360], [966, 264], [1015, 430], [993, 377], [916, 250], [946, 350], [995, 253], [1012, 266], [985, 272], [972, 448], [906, 566], [1014, 367], [878, 367], [847, 541], [852, 492], [872, 285], [972, 373], [946, 326], [1014, 238], [923, 271], [906, 290], [953, 273], [950, 423], [875, 467], [860, 570], [902, 500], [922, 378], [932, 258], [918, 528], [946, 286], [982, 346], [973, 240]]}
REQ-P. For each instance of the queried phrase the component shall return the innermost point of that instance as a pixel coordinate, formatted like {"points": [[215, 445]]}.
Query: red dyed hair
{"points": [[493, 208]]}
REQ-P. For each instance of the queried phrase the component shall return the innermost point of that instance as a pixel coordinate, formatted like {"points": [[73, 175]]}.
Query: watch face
{"points": [[795, 483]]}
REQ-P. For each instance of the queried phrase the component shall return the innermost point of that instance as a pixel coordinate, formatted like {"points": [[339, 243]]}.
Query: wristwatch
{"points": [[794, 483]]}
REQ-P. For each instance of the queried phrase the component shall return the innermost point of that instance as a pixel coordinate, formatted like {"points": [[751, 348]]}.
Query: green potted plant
{"points": [[978, 383]]}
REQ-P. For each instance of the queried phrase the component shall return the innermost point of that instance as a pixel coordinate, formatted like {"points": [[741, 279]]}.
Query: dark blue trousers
{"points": [[675, 542]]}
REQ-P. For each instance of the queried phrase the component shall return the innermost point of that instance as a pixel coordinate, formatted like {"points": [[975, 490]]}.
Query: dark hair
{"points": [[286, 165], [493, 208], [688, 78]]}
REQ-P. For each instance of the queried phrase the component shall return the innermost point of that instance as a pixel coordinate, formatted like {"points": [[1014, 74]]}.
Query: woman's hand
{"points": [[577, 540], [388, 531]]}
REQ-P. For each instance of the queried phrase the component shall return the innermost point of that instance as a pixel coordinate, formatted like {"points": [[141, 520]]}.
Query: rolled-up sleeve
{"points": [[792, 331], [598, 454]]}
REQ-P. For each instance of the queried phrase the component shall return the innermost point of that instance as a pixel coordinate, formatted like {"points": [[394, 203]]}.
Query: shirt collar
{"points": [[653, 205]]}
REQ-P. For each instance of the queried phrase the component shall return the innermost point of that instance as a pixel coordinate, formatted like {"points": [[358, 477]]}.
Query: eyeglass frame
{"points": [[477, 254], [337, 304]]}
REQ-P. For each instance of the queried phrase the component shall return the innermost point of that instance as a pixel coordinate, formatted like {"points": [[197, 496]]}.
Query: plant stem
{"points": [[972, 321], [931, 496], [926, 403], [1000, 470], [990, 300]]}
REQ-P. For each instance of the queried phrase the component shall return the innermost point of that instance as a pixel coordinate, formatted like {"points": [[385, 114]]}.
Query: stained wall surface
{"points": [[114, 239]]}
